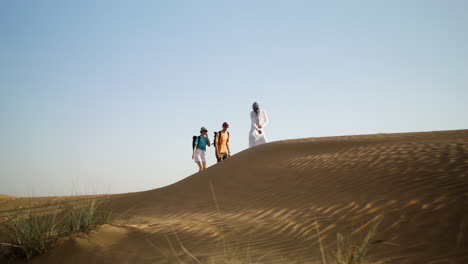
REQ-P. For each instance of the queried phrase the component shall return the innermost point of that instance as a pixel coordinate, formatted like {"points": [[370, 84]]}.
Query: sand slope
{"points": [[263, 204], [4, 196]]}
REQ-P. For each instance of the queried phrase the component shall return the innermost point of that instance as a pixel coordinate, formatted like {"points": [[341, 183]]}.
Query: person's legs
{"points": [[200, 159], [200, 165], [203, 159], [261, 140], [251, 140], [223, 156]]}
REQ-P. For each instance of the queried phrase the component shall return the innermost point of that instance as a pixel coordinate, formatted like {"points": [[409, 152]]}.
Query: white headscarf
{"points": [[256, 105]]}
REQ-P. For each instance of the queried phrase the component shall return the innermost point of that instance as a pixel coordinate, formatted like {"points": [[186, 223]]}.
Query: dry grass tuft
{"points": [[34, 233]]}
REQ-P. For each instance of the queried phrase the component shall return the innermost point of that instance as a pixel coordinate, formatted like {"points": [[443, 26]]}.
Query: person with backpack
{"points": [[221, 143], [259, 120], [199, 148]]}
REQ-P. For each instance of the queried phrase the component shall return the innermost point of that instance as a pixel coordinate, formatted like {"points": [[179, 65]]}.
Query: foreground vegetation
{"points": [[32, 233]]}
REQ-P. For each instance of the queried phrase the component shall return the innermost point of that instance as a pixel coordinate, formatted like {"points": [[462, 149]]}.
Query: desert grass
{"points": [[30, 234], [84, 216], [34, 233], [355, 254]]}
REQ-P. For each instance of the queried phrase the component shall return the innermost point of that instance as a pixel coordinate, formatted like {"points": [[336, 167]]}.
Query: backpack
{"points": [[194, 138], [216, 134]]}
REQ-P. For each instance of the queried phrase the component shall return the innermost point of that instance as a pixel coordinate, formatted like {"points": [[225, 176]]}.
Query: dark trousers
{"points": [[222, 156]]}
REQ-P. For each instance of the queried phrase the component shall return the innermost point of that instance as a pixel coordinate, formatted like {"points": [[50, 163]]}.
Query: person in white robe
{"points": [[259, 120]]}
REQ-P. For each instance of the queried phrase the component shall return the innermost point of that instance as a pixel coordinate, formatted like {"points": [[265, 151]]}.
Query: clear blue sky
{"points": [[104, 96]]}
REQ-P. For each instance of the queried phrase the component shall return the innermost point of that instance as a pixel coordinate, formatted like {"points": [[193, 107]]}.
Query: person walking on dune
{"points": [[221, 143], [259, 120], [199, 148]]}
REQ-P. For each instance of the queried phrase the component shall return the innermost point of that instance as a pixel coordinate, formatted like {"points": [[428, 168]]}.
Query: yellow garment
{"points": [[221, 142]]}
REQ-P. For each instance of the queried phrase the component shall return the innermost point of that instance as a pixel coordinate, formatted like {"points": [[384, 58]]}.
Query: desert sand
{"points": [[276, 203]]}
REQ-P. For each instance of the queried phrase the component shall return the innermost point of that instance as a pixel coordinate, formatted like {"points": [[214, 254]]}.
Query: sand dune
{"points": [[4, 196], [264, 204]]}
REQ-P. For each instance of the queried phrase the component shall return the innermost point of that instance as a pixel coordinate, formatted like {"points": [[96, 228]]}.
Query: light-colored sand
{"points": [[4, 196], [262, 204]]}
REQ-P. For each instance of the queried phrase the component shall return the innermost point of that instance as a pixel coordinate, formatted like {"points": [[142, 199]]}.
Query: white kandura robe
{"points": [[256, 138]]}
